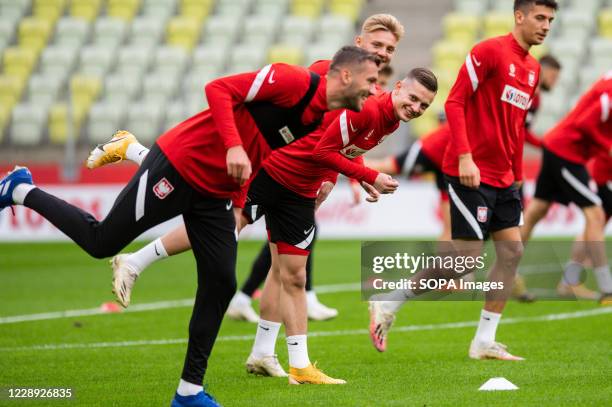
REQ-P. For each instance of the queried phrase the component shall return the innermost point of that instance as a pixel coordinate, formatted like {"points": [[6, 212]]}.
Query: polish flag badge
{"points": [[481, 214], [163, 188]]}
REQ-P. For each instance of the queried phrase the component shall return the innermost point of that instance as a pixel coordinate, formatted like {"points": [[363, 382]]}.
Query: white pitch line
{"points": [[227, 338], [151, 306]]}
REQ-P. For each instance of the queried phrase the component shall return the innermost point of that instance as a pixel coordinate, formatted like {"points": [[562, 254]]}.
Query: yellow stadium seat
{"points": [[34, 33], [85, 90], [198, 9], [450, 54], [5, 114], [605, 23], [123, 9], [446, 80], [286, 53], [539, 51], [85, 9], [183, 32], [306, 8], [58, 123], [11, 88], [461, 27], [496, 24], [347, 8], [425, 124], [49, 10], [19, 61]]}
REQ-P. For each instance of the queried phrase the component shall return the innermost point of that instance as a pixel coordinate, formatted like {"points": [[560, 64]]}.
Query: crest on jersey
{"points": [[481, 214], [512, 70], [163, 188], [531, 79], [286, 134]]}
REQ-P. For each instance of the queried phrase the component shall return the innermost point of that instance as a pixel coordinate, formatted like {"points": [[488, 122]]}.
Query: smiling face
{"points": [[533, 23], [360, 83], [411, 99], [380, 43]]}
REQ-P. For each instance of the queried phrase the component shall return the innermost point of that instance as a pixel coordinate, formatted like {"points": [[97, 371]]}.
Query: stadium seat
{"points": [[233, 7], [591, 6], [58, 123], [96, 60], [34, 33], [19, 61], [199, 9], [14, 8], [147, 30], [195, 104], [245, 58], [601, 53], [588, 76], [28, 124], [195, 82], [122, 9], [350, 9], [85, 9], [122, 87], [473, 7], [44, 88], [461, 27], [134, 59], [319, 51], [5, 116], [335, 26], [496, 24], [161, 9], [221, 29], [273, 8], [71, 31], [183, 32], [210, 57], [145, 119], [289, 54], [59, 60], [450, 54], [84, 89], [539, 51], [259, 30], [105, 118], [170, 60], [109, 31], [567, 49], [160, 87], [306, 8], [49, 10], [605, 22], [297, 30], [502, 6], [175, 114], [577, 23], [11, 88], [7, 28]]}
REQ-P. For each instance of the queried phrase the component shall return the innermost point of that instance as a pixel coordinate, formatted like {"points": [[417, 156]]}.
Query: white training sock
{"points": [[148, 255], [136, 152], [20, 192], [265, 338], [298, 351], [572, 272], [604, 279], [188, 389], [487, 326]]}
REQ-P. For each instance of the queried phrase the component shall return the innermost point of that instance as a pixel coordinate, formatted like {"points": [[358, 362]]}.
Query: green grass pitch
{"points": [[568, 360]]}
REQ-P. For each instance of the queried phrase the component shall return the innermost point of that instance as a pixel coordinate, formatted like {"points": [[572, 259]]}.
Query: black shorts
{"points": [[290, 217], [563, 181], [415, 162], [477, 212], [605, 194]]}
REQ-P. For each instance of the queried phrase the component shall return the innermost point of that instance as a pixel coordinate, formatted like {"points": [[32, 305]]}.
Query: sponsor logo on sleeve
{"points": [[515, 97], [163, 188], [352, 151], [286, 134]]}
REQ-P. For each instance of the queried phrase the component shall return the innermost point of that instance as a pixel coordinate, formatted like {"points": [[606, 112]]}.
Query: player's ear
{"points": [[519, 16], [346, 75], [358, 40]]}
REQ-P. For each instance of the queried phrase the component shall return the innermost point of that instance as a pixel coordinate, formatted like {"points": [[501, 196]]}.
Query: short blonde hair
{"points": [[385, 22]]}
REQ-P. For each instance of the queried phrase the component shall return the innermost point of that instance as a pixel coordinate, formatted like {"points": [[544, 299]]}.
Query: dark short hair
{"points": [[521, 4], [425, 77], [386, 70], [352, 55], [550, 61]]}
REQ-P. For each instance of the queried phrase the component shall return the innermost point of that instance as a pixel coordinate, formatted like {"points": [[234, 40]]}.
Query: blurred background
{"points": [[74, 71]]}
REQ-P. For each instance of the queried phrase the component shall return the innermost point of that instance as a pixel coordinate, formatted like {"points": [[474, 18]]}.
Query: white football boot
{"points": [[240, 309], [316, 310], [493, 350], [266, 366], [124, 277]]}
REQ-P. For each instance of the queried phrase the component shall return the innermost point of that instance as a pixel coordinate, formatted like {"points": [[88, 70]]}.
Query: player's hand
{"points": [[518, 184], [385, 184], [324, 191], [238, 164], [356, 192], [373, 194], [469, 174]]}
